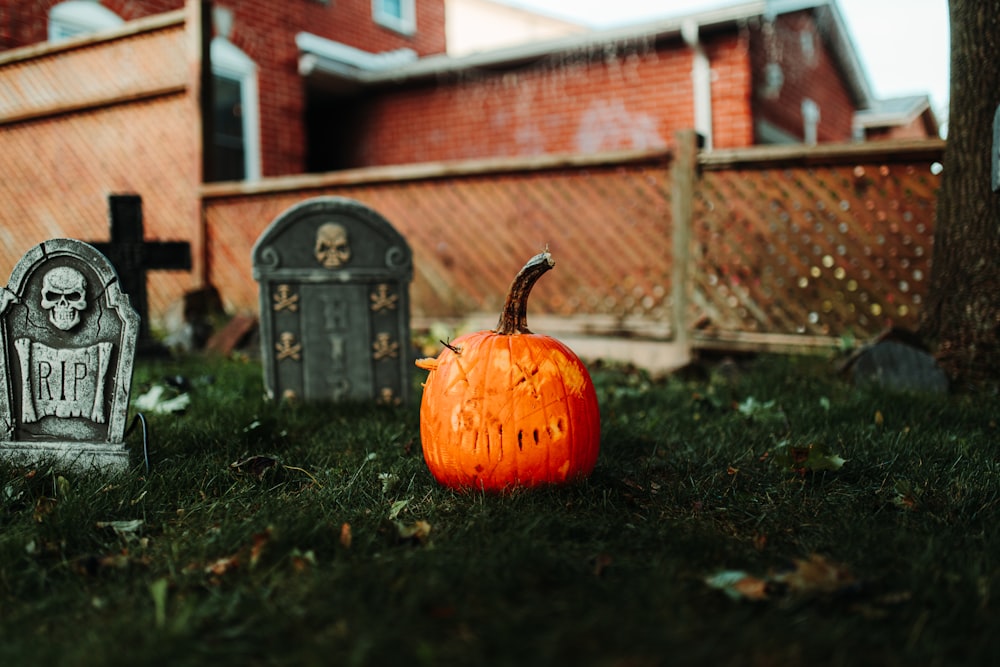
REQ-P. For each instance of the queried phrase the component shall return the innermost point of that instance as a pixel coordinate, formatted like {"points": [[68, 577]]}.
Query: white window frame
{"points": [[406, 24], [810, 121], [230, 61], [79, 17]]}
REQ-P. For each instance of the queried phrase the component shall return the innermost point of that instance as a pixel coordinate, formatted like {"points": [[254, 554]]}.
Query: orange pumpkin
{"points": [[509, 407]]}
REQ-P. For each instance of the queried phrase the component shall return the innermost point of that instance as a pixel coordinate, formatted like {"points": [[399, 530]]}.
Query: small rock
{"points": [[898, 366]]}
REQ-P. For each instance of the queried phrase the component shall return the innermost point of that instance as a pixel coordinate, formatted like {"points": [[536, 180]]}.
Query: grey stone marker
{"points": [[899, 367], [68, 336], [334, 280]]}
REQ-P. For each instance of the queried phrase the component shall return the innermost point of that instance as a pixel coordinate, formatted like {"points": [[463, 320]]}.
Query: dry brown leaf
{"points": [[816, 575], [345, 535]]}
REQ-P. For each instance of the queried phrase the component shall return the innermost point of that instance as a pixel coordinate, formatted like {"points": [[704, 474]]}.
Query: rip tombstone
{"points": [[334, 304], [68, 347]]}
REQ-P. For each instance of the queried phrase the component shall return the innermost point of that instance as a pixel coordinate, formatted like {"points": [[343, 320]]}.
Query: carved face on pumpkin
{"points": [[332, 248], [64, 296]]}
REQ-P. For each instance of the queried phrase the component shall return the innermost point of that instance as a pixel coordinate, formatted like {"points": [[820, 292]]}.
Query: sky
{"points": [[903, 44]]}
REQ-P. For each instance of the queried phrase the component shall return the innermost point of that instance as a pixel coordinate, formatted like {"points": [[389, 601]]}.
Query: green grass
{"points": [[229, 567]]}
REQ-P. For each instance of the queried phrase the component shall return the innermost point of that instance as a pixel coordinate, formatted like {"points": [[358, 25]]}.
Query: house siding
{"points": [[23, 23], [805, 75], [732, 91], [582, 104], [265, 30], [85, 126]]}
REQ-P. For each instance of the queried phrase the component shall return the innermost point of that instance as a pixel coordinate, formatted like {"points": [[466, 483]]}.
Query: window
{"points": [[79, 17], [235, 142], [810, 121], [398, 15]]}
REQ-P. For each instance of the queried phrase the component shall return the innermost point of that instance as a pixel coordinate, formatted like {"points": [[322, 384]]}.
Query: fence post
{"points": [[684, 169]]}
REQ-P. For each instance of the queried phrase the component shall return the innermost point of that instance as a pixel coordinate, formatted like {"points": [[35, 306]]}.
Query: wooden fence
{"points": [[785, 248], [472, 226], [86, 118], [795, 246]]}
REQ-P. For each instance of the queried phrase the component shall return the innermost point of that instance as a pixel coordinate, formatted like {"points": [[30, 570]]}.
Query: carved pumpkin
{"points": [[509, 407]]}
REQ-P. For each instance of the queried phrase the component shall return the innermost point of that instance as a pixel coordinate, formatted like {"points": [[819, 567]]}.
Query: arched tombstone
{"points": [[334, 280], [68, 348]]}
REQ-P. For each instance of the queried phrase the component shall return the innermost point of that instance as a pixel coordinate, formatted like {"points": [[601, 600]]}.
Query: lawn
{"points": [[764, 512]]}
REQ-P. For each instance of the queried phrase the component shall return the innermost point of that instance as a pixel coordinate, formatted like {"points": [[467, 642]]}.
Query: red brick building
{"points": [[327, 85], [255, 59], [111, 96]]}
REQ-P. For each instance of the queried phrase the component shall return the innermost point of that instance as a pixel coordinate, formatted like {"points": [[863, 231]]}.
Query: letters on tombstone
{"points": [[68, 337], [334, 281]]}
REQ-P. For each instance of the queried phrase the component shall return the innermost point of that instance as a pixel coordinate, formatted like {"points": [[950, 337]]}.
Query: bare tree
{"points": [[963, 310]]}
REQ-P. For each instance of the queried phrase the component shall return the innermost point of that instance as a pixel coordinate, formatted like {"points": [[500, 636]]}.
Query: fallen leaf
{"points": [[43, 507], [302, 559], [906, 497], [760, 411], [389, 481], [808, 458], [809, 577], [418, 531], [602, 562], [156, 401], [816, 575], [119, 560], [260, 540], [256, 466], [396, 508], [123, 528], [345, 535], [739, 585], [223, 565]]}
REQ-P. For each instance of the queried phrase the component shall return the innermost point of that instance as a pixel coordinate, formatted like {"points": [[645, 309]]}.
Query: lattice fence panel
{"points": [[126, 67], [817, 250], [607, 226]]}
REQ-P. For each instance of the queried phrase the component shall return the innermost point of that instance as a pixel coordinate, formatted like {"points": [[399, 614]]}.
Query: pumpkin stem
{"points": [[514, 317]]}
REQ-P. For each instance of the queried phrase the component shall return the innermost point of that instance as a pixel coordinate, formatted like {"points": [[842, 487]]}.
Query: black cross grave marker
{"points": [[132, 257]]}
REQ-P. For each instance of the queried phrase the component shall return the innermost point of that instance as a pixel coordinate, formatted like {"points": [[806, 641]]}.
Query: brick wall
{"points": [[90, 123], [265, 30], [732, 90], [586, 102], [794, 43], [25, 22], [918, 128], [581, 103]]}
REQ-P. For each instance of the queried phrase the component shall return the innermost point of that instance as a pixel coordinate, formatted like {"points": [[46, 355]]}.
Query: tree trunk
{"points": [[963, 311]]}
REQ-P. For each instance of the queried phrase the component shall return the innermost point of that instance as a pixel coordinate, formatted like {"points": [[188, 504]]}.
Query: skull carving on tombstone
{"points": [[64, 296], [332, 248]]}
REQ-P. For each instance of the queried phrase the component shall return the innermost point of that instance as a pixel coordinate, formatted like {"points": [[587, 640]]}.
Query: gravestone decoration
{"points": [[133, 257], [896, 361], [334, 281], [899, 367], [67, 349]]}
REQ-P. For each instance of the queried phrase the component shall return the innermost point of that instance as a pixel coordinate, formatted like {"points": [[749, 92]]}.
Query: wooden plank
{"points": [[682, 199], [431, 170], [129, 29], [768, 157], [758, 342], [93, 104]]}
